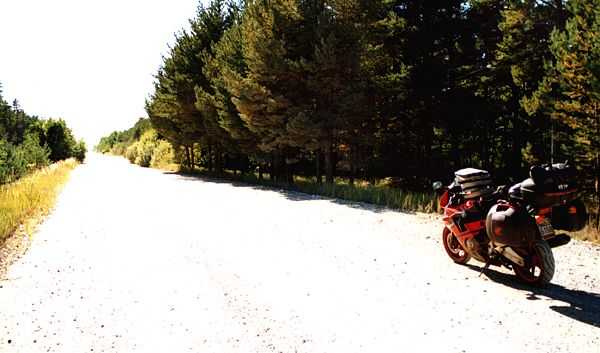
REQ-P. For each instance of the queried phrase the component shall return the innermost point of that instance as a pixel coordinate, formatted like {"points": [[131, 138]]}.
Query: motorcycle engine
{"points": [[474, 248]]}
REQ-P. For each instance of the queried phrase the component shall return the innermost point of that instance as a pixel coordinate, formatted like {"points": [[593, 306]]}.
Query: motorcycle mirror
{"points": [[437, 185]]}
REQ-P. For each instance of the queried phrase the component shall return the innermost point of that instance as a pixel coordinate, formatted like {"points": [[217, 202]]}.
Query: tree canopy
{"points": [[28, 143]]}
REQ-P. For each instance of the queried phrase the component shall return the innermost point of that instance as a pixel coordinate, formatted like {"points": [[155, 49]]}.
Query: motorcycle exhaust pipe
{"points": [[559, 240], [511, 255]]}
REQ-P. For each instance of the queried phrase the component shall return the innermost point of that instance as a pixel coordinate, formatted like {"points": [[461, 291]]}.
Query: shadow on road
{"points": [[581, 305], [288, 193]]}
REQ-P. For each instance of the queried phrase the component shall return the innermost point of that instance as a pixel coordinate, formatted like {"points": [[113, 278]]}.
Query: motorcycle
{"points": [[515, 229]]}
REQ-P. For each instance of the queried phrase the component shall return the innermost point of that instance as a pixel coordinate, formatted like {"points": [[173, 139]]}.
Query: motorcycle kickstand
{"points": [[485, 267]]}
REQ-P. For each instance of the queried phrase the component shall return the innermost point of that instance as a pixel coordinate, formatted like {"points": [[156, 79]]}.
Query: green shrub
{"points": [[118, 141], [131, 153], [79, 151], [35, 155], [120, 149], [145, 148], [59, 139], [17, 161], [12, 166], [163, 156], [144, 154]]}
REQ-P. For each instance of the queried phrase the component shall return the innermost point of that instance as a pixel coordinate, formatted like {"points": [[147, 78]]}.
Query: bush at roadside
{"points": [[79, 151], [131, 153], [145, 148], [148, 151], [17, 161], [163, 156]]}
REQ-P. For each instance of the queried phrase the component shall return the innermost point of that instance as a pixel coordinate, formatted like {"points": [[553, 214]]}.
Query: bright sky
{"points": [[90, 62]]}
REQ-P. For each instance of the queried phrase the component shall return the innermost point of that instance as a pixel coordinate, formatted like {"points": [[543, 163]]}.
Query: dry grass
{"points": [[378, 195], [31, 196], [590, 233], [361, 191]]}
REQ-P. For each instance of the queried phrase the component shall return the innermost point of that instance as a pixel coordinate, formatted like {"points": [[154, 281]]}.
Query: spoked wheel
{"points": [[539, 268], [453, 248]]}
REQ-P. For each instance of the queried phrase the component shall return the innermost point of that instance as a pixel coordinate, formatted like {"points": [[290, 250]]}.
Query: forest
{"points": [[28, 143], [366, 90]]}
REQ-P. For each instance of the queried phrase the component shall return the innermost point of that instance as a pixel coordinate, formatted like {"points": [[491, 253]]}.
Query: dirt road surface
{"points": [[138, 260]]}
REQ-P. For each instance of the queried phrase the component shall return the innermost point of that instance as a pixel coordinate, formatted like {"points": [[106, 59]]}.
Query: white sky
{"points": [[88, 62]]}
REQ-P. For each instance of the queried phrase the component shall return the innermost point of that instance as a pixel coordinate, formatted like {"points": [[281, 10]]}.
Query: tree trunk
{"points": [[485, 151], [289, 174], [319, 172], [596, 143], [597, 189], [516, 155], [192, 158], [244, 165], [279, 168], [353, 158], [187, 157], [219, 160], [329, 164], [426, 165], [273, 168], [210, 159]]}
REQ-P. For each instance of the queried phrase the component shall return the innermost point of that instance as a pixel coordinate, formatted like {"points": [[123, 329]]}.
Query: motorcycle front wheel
{"points": [[453, 248], [539, 268]]}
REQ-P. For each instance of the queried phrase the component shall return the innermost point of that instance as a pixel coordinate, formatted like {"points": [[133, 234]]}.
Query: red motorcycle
{"points": [[514, 229]]}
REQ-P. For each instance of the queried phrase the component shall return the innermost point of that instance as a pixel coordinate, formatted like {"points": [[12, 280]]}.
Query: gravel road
{"points": [[138, 260]]}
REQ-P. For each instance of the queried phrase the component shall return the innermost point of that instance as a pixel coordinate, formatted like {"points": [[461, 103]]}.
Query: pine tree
{"points": [[209, 28], [172, 106], [301, 68], [224, 68], [526, 27], [432, 41], [271, 51], [570, 91], [176, 108]]}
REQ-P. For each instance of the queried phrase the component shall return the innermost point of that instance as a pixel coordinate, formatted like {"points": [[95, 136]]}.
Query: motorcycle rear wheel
{"points": [[539, 268], [453, 248]]}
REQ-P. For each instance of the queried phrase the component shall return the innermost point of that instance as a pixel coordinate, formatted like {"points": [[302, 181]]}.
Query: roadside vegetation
{"points": [[32, 196], [141, 145], [367, 90], [381, 193], [36, 157], [28, 143]]}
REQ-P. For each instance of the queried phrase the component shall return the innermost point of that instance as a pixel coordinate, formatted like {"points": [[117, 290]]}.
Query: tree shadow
{"points": [[289, 192], [581, 305]]}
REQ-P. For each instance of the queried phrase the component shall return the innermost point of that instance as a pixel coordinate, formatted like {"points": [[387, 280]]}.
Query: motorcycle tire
{"points": [[539, 268], [453, 248]]}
